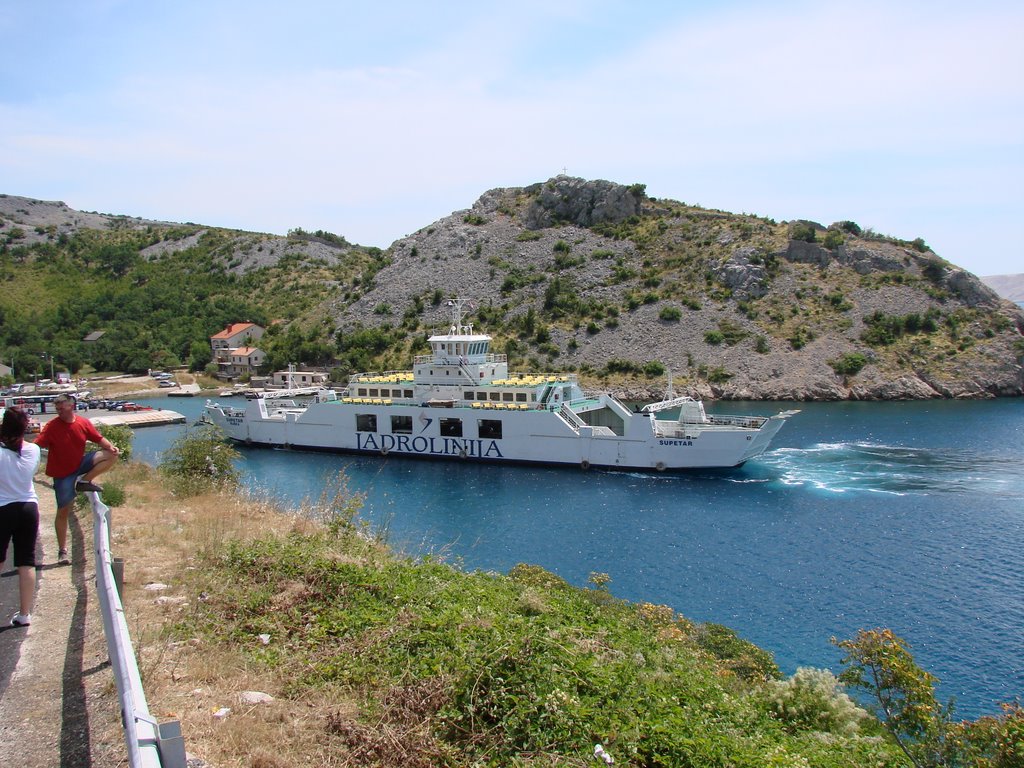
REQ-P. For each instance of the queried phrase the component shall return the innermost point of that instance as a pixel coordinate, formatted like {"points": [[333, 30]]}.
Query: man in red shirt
{"points": [[65, 438]]}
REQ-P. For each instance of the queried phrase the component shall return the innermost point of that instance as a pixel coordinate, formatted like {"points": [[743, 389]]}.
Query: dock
{"points": [[136, 419], [133, 419], [184, 390]]}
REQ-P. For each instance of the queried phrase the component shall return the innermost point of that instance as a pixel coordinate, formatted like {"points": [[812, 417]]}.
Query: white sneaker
{"points": [[21, 620]]}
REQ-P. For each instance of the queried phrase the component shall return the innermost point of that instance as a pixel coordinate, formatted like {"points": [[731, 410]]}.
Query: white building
{"points": [[233, 350]]}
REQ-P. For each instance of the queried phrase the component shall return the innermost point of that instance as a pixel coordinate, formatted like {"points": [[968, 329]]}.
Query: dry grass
{"points": [[159, 537]]}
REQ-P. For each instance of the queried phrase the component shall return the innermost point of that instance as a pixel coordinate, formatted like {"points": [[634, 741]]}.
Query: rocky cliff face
{"points": [[730, 305], [567, 200]]}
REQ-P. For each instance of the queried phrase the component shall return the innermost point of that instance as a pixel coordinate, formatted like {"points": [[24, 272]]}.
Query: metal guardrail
{"points": [[150, 744]]}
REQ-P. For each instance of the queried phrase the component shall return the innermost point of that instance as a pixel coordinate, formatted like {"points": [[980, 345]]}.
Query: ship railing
{"points": [[675, 430], [570, 416], [534, 379], [745, 422], [150, 744], [453, 358], [381, 377]]}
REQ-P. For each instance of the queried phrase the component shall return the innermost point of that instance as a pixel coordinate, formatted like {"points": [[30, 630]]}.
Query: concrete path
{"points": [[49, 670]]}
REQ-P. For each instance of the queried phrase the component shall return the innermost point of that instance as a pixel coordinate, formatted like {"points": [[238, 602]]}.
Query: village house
{"points": [[242, 361], [233, 351], [280, 379]]}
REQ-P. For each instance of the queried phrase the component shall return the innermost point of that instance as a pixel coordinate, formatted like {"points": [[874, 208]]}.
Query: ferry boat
{"points": [[461, 403]]}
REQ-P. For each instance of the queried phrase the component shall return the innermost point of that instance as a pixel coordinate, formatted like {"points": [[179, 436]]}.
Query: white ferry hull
{"points": [[508, 436]]}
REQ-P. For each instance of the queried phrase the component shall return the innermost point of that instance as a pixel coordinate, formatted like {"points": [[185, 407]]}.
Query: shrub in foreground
{"points": [[200, 460], [463, 668]]}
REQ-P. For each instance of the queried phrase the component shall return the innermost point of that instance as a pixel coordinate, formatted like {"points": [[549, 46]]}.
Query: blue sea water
{"points": [[901, 515]]}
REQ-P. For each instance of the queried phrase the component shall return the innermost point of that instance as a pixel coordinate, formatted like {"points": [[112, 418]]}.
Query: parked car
{"points": [[135, 407], [167, 383]]}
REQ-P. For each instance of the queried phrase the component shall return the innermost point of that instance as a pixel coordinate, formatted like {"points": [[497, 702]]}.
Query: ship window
{"points": [[361, 392], [520, 397], [366, 422], [490, 429], [396, 393], [401, 425], [468, 395], [451, 427], [506, 396], [408, 393], [374, 393], [495, 395]]}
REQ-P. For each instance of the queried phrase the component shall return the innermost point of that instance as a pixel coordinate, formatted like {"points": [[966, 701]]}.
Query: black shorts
{"points": [[19, 521]]}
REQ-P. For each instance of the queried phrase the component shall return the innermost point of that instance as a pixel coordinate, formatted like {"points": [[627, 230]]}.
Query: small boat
{"points": [[460, 402]]}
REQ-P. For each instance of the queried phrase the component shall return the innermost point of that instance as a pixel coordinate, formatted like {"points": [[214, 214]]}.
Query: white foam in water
{"points": [[879, 468]]}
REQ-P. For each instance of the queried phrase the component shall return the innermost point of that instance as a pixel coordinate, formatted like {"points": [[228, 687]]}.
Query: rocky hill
{"points": [[733, 306], [596, 277]]}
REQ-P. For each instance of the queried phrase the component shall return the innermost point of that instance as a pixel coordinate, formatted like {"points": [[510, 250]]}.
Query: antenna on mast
{"points": [[458, 310]]}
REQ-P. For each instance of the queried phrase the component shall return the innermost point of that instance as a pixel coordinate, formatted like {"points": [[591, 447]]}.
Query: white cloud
{"points": [[827, 111]]}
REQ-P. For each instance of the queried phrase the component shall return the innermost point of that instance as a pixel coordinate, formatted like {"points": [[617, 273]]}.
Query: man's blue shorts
{"points": [[64, 487]]}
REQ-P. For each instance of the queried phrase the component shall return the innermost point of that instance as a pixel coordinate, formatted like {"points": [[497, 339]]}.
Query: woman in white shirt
{"points": [[19, 507]]}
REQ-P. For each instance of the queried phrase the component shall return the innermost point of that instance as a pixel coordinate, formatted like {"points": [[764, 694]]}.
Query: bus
{"points": [[31, 404], [33, 427]]}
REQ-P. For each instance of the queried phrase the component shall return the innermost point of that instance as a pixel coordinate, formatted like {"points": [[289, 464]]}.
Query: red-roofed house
{"points": [[244, 360], [233, 351]]}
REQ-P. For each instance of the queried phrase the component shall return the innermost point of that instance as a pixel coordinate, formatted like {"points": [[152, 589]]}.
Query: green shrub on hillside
{"points": [[732, 334], [880, 664], [833, 239], [200, 460], [617, 365], [848, 226], [469, 668], [802, 231], [800, 337], [883, 329], [121, 436], [653, 369], [670, 314], [813, 700], [849, 364]]}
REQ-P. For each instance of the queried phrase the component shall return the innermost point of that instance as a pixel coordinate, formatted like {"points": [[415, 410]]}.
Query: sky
{"points": [[373, 120]]}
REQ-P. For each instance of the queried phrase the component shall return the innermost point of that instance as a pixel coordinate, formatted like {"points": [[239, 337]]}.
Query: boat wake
{"points": [[887, 469]]}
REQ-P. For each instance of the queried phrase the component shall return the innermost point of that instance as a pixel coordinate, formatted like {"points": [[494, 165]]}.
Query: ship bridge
{"points": [[458, 358]]}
